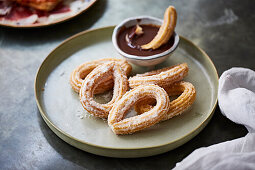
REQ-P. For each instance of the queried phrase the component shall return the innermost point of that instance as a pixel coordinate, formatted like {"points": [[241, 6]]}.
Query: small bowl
{"points": [[143, 60]]}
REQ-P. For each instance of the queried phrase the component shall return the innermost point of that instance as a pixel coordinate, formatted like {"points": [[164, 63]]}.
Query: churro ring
{"points": [[166, 30], [79, 74], [94, 78], [116, 120], [162, 77], [187, 97]]}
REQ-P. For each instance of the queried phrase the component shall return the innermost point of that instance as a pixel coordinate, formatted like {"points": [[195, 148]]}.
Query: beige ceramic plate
{"points": [[77, 7], [61, 109]]}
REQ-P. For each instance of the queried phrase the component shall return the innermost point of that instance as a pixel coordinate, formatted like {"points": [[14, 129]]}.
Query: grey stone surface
{"points": [[224, 29]]}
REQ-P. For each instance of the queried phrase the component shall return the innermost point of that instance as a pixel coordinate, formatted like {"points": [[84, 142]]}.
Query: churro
{"points": [[94, 78], [187, 97], [116, 120], [161, 77], [166, 30], [78, 75]]}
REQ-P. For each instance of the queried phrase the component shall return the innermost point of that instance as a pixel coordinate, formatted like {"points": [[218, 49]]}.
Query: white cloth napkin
{"points": [[236, 96]]}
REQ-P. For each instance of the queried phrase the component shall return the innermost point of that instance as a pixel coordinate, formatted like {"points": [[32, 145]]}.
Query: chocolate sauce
{"points": [[133, 47]]}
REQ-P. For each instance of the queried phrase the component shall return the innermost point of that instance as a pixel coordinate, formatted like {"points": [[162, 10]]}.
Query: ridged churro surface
{"points": [[78, 75], [94, 78], [166, 30], [161, 77], [116, 120], [187, 97]]}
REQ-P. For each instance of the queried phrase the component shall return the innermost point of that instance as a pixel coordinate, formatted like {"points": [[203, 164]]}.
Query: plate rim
{"points": [[52, 125], [52, 23]]}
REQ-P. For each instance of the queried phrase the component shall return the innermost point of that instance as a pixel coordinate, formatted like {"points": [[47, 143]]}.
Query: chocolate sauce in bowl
{"points": [[133, 46]]}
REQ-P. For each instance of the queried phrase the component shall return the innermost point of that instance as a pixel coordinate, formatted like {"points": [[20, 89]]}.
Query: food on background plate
{"points": [[43, 5], [36, 12], [148, 39], [80, 73]]}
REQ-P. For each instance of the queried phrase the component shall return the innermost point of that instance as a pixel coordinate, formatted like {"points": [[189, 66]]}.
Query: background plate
{"points": [[61, 109], [77, 10]]}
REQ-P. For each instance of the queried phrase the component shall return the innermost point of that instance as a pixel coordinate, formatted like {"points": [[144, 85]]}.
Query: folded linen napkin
{"points": [[236, 97]]}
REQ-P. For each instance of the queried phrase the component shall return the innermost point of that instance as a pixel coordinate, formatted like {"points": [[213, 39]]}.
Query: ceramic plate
{"points": [[61, 109], [72, 8]]}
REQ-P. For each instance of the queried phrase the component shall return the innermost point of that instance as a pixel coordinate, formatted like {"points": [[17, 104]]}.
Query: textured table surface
{"points": [[224, 29]]}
